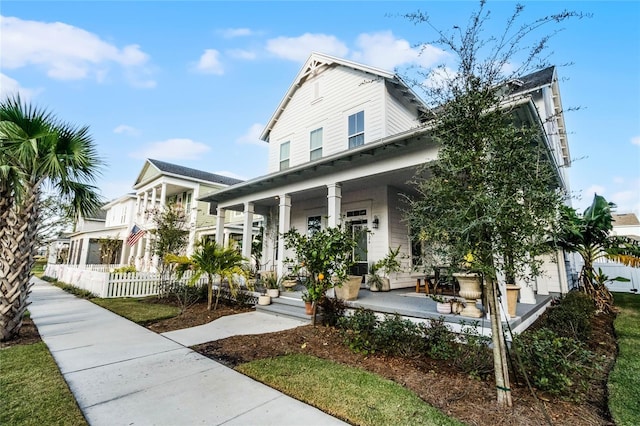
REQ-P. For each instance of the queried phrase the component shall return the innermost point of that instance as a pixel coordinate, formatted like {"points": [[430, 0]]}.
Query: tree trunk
{"points": [[209, 293], [18, 231], [500, 365]]}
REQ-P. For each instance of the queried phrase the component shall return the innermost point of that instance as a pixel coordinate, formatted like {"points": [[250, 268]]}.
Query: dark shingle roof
{"points": [[536, 79], [193, 173]]}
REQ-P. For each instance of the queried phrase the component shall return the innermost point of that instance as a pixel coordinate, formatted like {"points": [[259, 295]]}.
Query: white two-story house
{"points": [[343, 144]]}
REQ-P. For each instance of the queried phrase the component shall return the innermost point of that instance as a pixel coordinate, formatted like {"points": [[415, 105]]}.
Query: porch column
{"points": [[220, 227], [138, 208], [334, 204], [247, 230], [145, 205], [193, 217], [284, 225], [163, 195], [153, 198]]}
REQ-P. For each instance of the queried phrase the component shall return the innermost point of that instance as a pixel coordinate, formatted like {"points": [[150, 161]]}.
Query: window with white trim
{"points": [[285, 149], [315, 144], [356, 129]]}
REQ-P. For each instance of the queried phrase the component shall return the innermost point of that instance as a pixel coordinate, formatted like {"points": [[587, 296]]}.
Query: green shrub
{"points": [[398, 336], [473, 355], [572, 316], [332, 310], [358, 330], [555, 364], [124, 269], [76, 291], [438, 340]]}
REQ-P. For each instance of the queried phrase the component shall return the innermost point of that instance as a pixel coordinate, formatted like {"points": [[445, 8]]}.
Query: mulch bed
{"points": [[438, 383]]}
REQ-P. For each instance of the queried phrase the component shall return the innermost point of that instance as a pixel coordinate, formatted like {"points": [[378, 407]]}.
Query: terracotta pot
{"points": [[308, 308]]}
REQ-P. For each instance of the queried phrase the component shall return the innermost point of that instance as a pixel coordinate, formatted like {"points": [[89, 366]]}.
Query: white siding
{"points": [[342, 92], [398, 236]]}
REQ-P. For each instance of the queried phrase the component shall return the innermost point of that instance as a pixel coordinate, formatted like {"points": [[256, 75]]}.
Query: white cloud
{"points": [[635, 140], [172, 149], [438, 77], [9, 87], [113, 189], [384, 50], [236, 32], [127, 130], [594, 189], [252, 135], [241, 54], [66, 52], [209, 63], [618, 179], [298, 48]]}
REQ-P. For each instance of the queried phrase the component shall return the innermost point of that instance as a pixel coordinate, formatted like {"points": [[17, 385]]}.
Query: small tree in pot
{"points": [[379, 273]]}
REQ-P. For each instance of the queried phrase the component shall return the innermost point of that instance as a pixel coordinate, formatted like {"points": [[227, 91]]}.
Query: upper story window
{"points": [[285, 148], [356, 129], [315, 144]]}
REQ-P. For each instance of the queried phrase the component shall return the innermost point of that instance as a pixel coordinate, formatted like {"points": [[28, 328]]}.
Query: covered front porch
{"points": [[419, 307]]}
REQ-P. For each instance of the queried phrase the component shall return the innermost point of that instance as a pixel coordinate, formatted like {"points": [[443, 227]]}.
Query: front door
{"points": [[361, 265]]}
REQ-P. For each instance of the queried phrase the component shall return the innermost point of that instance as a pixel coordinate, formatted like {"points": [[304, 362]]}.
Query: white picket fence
{"points": [[109, 284]]}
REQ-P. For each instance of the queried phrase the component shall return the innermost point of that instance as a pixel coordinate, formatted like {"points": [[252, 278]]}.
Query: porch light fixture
{"points": [[376, 222]]}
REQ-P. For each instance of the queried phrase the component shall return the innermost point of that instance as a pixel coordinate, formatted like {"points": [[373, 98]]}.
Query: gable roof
{"points": [[182, 171], [625, 219], [317, 61], [535, 80]]}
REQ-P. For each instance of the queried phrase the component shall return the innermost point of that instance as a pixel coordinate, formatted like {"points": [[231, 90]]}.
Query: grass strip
{"points": [[33, 392], [351, 394], [624, 379], [138, 310]]}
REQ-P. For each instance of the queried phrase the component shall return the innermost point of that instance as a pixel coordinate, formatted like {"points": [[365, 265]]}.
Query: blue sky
{"points": [[195, 82]]}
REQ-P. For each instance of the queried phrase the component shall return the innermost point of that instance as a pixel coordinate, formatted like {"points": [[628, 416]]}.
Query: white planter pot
{"points": [[443, 308], [264, 300], [273, 292]]}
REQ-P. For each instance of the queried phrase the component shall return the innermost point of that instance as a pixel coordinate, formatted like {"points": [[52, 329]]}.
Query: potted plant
{"points": [[272, 285], [379, 273], [442, 305], [326, 255], [308, 303]]}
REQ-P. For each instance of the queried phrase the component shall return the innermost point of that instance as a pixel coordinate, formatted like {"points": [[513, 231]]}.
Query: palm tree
{"points": [[211, 259], [36, 151], [589, 236]]}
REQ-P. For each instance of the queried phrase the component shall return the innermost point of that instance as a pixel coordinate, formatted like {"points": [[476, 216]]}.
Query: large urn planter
{"points": [[512, 299], [349, 289], [471, 290]]}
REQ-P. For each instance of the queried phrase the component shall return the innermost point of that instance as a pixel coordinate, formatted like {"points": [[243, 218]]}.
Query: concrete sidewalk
{"points": [[123, 374]]}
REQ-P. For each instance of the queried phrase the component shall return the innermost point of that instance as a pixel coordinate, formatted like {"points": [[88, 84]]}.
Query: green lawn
{"points": [[363, 398], [137, 310], [624, 380], [32, 390]]}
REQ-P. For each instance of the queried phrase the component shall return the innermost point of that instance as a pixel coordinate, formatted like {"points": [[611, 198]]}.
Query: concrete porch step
{"points": [[289, 307]]}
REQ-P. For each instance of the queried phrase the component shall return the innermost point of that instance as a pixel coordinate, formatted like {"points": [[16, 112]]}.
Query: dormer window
{"points": [[285, 148], [356, 129], [315, 144]]}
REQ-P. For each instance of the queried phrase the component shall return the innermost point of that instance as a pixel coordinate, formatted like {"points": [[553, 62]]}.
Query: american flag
{"points": [[135, 235]]}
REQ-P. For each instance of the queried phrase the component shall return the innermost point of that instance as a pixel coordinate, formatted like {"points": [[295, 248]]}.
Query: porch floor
{"points": [[418, 306]]}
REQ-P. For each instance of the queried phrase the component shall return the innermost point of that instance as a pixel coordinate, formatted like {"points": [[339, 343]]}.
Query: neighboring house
{"points": [[158, 184], [343, 144], [626, 224], [83, 245]]}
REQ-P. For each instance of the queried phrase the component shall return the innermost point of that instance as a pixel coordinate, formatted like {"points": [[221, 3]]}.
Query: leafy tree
{"points": [[109, 249], [214, 261], [56, 217], [492, 192], [170, 237], [37, 151], [590, 236], [326, 255]]}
